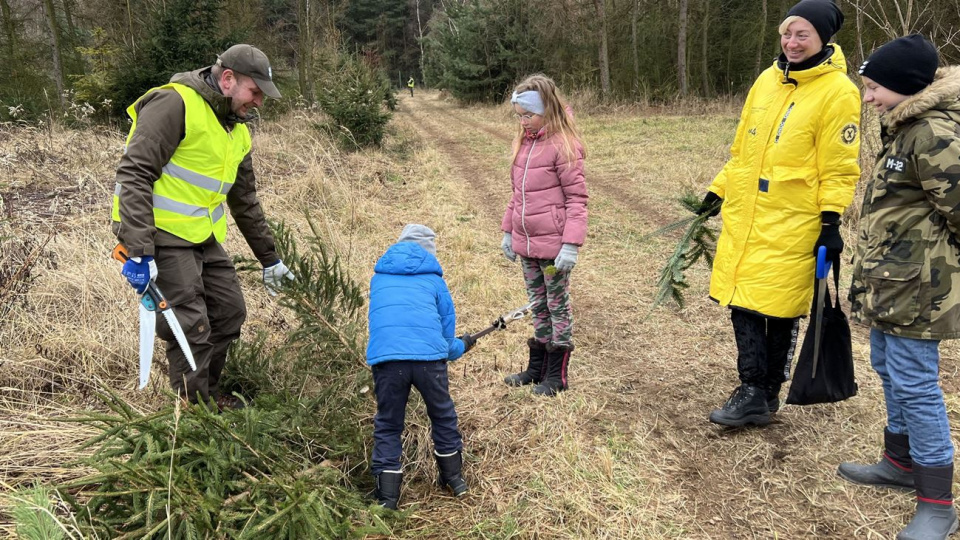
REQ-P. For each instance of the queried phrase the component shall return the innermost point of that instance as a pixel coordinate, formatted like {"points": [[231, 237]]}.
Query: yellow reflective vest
{"points": [[189, 196], [794, 156]]}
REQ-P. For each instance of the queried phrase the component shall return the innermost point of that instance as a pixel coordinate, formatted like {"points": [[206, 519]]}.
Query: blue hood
{"points": [[407, 259]]}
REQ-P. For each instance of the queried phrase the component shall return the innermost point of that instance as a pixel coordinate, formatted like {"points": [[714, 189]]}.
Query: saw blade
{"points": [[174, 325], [148, 324]]}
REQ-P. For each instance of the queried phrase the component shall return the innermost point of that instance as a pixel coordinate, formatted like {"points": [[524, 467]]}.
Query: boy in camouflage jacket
{"points": [[906, 273]]}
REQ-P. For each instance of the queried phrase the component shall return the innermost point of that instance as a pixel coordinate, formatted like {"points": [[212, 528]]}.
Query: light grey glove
{"points": [[566, 258], [507, 246], [274, 275]]}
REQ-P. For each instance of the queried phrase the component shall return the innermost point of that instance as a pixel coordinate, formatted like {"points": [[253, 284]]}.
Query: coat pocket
{"points": [[892, 291], [559, 214]]}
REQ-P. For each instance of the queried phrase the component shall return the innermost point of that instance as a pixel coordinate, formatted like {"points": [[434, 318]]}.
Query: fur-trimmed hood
{"points": [[942, 94]]}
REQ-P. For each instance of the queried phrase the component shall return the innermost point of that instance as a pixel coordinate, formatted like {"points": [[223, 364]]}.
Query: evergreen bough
{"points": [[279, 468], [698, 241]]}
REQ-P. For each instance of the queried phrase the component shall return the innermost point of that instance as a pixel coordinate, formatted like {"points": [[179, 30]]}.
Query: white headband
{"points": [[530, 101]]}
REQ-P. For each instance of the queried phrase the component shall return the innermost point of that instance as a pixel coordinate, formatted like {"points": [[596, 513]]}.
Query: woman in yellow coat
{"points": [[792, 172]]}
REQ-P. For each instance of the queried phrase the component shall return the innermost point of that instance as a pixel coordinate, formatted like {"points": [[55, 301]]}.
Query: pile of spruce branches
{"points": [[282, 467]]}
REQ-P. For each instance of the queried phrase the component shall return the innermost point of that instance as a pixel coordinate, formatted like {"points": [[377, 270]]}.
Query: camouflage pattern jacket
{"points": [[906, 273]]}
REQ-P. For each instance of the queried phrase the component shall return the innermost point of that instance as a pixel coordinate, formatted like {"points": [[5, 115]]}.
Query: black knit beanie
{"points": [[824, 15], [905, 65]]}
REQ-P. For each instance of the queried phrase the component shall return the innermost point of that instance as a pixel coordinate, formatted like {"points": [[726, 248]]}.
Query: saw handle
{"points": [[151, 298], [823, 265]]}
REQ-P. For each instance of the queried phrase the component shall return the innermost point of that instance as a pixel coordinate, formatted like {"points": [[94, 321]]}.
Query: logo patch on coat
{"points": [[849, 133], [893, 163], [764, 185]]}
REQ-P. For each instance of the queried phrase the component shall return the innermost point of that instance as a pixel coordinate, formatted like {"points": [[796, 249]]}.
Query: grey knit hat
{"points": [[420, 234]]}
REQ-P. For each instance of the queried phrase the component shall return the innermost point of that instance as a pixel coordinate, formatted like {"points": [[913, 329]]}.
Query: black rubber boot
{"points": [[388, 488], [936, 518], [746, 405], [558, 359], [450, 469], [536, 366], [894, 470]]}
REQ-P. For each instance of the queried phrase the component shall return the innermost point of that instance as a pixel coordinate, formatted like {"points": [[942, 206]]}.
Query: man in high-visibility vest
{"points": [[411, 84], [187, 160]]}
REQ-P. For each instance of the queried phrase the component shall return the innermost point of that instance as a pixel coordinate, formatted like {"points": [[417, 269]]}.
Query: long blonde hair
{"points": [[557, 117]]}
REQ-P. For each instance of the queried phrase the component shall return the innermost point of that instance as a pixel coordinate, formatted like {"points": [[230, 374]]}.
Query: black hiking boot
{"points": [[536, 366], [388, 488], [450, 467], [894, 470], [746, 405], [558, 359], [936, 518]]}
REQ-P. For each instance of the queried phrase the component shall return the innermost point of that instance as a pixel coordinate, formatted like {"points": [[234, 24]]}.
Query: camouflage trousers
{"points": [[550, 295]]}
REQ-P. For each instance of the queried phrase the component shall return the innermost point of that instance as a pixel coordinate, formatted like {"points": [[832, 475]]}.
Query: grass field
{"points": [[627, 452]]}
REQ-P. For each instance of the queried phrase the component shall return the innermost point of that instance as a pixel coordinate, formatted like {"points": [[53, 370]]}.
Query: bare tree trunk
{"points": [[9, 28], [763, 32], [634, 21], [604, 56], [420, 42], [57, 54], [305, 50], [859, 20], [682, 49], [704, 49]]}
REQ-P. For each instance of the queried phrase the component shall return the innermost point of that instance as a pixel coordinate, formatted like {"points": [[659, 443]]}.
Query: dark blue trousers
{"points": [[392, 382]]}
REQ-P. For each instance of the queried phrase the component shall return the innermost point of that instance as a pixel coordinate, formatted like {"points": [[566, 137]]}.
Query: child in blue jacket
{"points": [[412, 321]]}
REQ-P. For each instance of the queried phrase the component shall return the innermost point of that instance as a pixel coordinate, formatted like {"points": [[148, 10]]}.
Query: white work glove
{"points": [[507, 246], [566, 258], [273, 277]]}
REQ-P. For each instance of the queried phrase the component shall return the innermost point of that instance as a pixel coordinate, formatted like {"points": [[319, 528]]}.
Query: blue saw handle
{"points": [[823, 265]]}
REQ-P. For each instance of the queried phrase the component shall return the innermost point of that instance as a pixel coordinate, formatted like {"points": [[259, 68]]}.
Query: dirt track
{"points": [[654, 380]]}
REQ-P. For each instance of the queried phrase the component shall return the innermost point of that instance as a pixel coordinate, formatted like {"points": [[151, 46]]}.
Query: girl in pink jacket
{"points": [[545, 224]]}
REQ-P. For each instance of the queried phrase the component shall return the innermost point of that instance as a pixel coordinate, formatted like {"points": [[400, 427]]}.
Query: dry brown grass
{"points": [[626, 453]]}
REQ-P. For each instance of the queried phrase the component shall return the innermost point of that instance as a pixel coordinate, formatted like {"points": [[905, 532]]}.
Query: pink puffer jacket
{"points": [[549, 203]]}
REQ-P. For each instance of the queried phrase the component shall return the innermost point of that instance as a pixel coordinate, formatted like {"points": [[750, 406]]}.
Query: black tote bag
{"points": [[835, 379]]}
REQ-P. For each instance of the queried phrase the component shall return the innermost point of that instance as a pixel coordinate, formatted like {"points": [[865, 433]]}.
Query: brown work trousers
{"points": [[201, 285]]}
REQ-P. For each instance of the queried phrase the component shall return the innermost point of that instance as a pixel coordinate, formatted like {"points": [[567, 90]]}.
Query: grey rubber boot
{"points": [[936, 517], [746, 405], [893, 471], [450, 467], [536, 366], [558, 359], [388, 488]]}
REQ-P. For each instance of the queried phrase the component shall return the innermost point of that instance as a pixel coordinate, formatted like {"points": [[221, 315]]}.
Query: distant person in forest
{"points": [[410, 85], [906, 273], [545, 224], [792, 172], [187, 155], [411, 322]]}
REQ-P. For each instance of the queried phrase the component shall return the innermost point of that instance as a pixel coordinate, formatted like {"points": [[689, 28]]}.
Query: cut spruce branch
{"points": [[698, 241]]}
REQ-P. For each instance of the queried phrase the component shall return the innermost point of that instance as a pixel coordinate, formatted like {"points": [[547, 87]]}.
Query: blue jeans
{"points": [[910, 371], [392, 382]]}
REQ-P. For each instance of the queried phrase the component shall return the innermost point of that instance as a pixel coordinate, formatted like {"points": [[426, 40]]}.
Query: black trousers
{"points": [[765, 348]]}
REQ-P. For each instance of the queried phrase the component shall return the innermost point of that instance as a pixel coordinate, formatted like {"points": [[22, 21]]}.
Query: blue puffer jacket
{"points": [[411, 313]]}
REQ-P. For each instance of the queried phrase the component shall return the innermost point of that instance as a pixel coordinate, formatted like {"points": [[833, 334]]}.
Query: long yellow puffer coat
{"points": [[794, 156]]}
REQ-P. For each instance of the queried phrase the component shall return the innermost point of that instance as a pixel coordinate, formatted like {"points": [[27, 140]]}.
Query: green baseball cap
{"points": [[250, 61]]}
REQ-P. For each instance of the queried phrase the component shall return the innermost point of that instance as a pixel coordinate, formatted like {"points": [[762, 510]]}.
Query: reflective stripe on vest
{"points": [[188, 196]]}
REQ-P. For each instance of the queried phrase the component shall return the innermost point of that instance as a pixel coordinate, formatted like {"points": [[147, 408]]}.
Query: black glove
{"points": [[708, 201], [830, 236], [468, 342]]}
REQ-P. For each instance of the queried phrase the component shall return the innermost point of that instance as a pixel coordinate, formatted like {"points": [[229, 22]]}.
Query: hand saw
{"points": [[152, 301]]}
